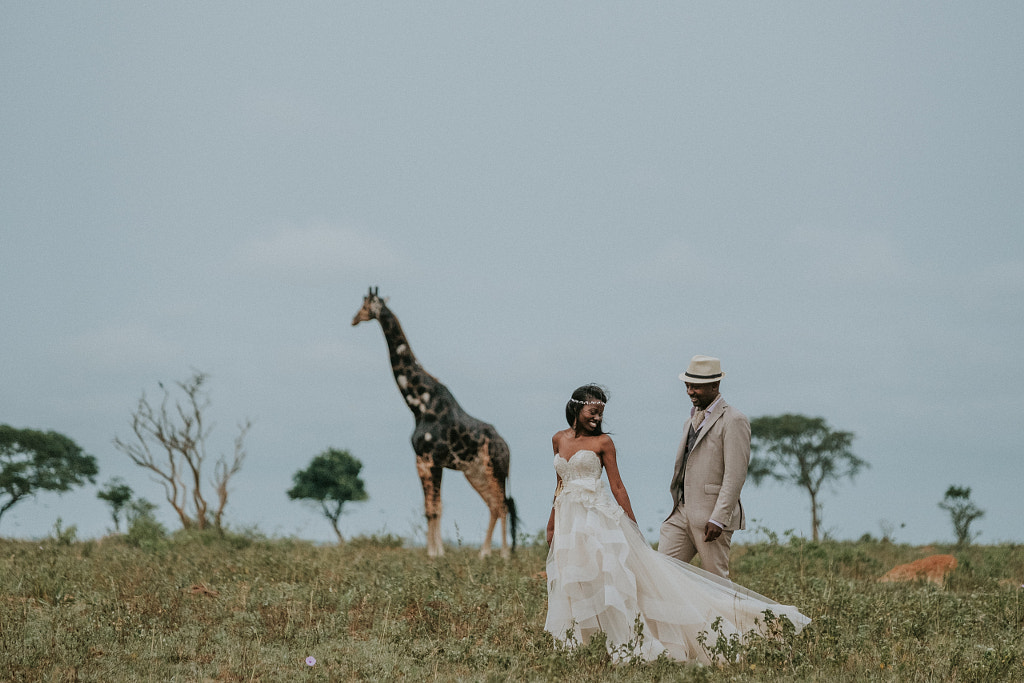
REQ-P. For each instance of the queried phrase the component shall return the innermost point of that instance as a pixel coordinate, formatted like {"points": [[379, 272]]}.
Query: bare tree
{"points": [[170, 441]]}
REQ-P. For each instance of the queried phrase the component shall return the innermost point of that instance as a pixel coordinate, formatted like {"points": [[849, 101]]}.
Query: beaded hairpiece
{"points": [[587, 403]]}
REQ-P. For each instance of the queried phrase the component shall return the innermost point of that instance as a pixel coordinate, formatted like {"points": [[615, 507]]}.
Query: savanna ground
{"points": [[199, 607]]}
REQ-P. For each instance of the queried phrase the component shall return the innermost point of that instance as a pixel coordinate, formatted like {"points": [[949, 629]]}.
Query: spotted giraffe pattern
{"points": [[445, 436]]}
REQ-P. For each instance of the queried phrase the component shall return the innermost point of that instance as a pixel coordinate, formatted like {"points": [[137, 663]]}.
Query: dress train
{"points": [[603, 576]]}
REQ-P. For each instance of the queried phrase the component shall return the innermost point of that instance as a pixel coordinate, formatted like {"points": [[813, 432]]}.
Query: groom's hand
{"points": [[711, 532]]}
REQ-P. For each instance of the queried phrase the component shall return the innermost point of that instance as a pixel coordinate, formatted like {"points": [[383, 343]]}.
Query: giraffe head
{"points": [[372, 304]]}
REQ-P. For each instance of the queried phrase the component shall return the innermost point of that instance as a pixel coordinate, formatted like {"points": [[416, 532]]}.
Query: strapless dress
{"points": [[603, 576]]}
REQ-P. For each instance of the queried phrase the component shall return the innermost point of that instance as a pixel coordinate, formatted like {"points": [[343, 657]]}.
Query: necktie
{"points": [[697, 419]]}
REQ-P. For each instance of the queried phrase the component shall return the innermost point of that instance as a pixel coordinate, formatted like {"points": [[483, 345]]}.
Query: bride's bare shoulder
{"points": [[604, 444]]}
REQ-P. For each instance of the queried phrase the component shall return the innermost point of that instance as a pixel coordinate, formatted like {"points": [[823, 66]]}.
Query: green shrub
{"points": [[144, 531], [64, 535]]}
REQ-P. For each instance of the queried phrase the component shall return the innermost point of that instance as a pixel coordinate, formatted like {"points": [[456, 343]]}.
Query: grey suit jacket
{"points": [[715, 469]]}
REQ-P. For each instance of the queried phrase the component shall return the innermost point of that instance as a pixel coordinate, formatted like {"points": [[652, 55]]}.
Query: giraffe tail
{"points": [[513, 520]]}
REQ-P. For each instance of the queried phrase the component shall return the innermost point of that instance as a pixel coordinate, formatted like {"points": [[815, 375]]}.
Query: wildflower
{"points": [[310, 660]]}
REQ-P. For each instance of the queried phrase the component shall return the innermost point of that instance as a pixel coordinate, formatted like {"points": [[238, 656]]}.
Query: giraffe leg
{"points": [[504, 533], [485, 548], [480, 475], [430, 478]]}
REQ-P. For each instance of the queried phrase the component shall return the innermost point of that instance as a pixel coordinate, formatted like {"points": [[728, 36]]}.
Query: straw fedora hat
{"points": [[703, 370]]}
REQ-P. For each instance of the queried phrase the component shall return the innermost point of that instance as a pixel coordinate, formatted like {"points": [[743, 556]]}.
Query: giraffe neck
{"points": [[416, 384]]}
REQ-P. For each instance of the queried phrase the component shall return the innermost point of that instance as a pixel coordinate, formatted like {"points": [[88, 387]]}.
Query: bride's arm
{"points": [[558, 486], [615, 480], [551, 518]]}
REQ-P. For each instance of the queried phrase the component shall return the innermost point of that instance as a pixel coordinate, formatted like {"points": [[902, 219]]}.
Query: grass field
{"points": [[198, 607]]}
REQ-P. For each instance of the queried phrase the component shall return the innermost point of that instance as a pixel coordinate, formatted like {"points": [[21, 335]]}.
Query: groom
{"points": [[711, 466]]}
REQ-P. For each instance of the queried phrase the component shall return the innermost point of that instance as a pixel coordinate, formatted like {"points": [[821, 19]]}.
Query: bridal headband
{"points": [[587, 403]]}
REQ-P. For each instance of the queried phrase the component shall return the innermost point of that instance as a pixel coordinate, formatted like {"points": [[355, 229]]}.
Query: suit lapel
{"points": [[712, 418]]}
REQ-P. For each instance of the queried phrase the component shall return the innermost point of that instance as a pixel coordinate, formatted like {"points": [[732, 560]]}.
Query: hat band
{"points": [[703, 376]]}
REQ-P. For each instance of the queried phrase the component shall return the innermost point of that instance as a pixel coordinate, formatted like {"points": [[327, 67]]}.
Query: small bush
{"points": [[384, 540], [144, 530], [64, 535]]}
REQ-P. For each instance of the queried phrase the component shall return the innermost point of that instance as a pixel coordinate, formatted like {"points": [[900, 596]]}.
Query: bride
{"points": [[602, 574]]}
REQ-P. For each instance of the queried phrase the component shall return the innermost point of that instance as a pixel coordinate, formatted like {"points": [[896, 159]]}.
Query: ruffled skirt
{"points": [[603, 576]]}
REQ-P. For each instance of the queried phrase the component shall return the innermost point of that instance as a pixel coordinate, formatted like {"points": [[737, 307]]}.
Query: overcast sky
{"points": [[826, 195]]}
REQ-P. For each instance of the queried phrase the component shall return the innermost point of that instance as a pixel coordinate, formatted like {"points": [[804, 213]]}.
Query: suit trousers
{"points": [[682, 538]]}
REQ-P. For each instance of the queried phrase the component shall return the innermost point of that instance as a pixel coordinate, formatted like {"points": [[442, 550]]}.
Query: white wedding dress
{"points": [[603, 576]]}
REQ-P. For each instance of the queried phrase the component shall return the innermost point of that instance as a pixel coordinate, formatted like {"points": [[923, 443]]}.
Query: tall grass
{"points": [[198, 607]]}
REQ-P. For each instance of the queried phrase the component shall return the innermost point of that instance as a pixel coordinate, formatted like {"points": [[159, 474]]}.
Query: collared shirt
{"points": [[705, 411]]}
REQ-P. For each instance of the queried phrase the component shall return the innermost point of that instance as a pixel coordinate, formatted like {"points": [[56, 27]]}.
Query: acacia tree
{"points": [[117, 494], [801, 450], [331, 480], [171, 443], [33, 461], [962, 511]]}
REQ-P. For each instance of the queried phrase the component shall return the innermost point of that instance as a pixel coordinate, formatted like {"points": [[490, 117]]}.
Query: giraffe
{"points": [[445, 436]]}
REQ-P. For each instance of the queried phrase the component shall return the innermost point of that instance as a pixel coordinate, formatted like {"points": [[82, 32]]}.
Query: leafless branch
{"points": [[182, 439]]}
